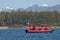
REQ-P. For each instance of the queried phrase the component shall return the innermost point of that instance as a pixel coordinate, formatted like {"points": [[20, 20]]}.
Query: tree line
{"points": [[22, 17]]}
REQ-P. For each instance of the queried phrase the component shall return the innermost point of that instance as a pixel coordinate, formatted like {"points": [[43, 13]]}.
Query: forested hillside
{"points": [[22, 17]]}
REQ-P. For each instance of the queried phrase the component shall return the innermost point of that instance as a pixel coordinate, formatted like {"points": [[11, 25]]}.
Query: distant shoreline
{"points": [[22, 27]]}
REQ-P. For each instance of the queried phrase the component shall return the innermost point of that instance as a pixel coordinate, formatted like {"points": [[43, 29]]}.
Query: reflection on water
{"points": [[19, 34]]}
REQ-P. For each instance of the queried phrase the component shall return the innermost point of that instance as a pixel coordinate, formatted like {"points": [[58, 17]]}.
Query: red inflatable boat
{"points": [[40, 30]]}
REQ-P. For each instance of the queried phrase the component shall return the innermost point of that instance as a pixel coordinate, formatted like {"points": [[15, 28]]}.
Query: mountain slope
{"points": [[33, 8], [43, 8]]}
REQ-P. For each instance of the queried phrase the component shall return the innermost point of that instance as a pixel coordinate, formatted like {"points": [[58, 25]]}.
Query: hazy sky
{"points": [[25, 3]]}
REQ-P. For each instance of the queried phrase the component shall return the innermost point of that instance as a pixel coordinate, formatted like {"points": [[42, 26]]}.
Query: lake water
{"points": [[19, 34]]}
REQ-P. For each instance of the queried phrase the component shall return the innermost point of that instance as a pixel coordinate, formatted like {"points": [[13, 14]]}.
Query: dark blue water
{"points": [[19, 34]]}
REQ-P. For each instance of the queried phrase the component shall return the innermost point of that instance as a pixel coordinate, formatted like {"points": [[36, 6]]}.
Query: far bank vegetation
{"points": [[51, 18]]}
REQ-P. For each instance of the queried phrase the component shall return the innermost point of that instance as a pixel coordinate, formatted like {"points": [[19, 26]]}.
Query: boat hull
{"points": [[39, 31]]}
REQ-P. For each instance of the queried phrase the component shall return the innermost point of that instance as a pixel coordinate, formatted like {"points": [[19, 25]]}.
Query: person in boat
{"points": [[46, 28], [42, 25], [40, 28], [33, 27]]}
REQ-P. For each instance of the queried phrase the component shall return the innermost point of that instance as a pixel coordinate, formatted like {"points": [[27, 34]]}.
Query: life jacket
{"points": [[40, 28], [33, 27], [46, 28]]}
